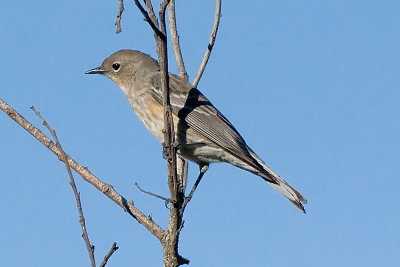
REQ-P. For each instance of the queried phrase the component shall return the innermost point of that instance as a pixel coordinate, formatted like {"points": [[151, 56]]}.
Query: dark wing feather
{"points": [[191, 105]]}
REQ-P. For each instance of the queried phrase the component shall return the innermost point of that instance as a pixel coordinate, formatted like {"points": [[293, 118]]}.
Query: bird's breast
{"points": [[150, 113]]}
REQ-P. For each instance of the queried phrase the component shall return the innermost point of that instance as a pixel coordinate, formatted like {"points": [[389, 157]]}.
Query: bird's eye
{"points": [[116, 66]]}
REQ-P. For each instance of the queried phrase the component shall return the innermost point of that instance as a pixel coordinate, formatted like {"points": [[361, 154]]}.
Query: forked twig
{"points": [[150, 9], [106, 189], [148, 19]]}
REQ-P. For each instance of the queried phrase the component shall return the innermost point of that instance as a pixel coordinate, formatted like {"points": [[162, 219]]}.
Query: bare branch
{"points": [[169, 133], [120, 10], [211, 43], [203, 169], [182, 164], [170, 246], [150, 9], [106, 189], [113, 248], [153, 24], [63, 157], [167, 200], [170, 242], [175, 41]]}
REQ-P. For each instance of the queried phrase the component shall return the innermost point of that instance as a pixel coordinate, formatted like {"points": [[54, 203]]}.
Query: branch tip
{"points": [[213, 36], [113, 248], [119, 16], [167, 200]]}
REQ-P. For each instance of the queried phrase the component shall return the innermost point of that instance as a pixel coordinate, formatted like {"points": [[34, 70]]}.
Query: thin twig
{"points": [[175, 40], [106, 189], [120, 10], [167, 200], [63, 157], [153, 25], [203, 170], [210, 44], [113, 248], [150, 9]]}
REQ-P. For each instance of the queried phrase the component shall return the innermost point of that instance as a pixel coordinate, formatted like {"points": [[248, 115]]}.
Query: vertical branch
{"points": [[182, 164], [175, 41], [171, 255], [170, 240], [169, 133], [211, 43]]}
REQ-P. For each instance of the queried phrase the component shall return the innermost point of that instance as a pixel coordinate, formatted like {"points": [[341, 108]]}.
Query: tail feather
{"points": [[279, 184], [290, 193]]}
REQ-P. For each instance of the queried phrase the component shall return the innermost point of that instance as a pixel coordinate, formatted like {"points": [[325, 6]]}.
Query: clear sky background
{"points": [[313, 87]]}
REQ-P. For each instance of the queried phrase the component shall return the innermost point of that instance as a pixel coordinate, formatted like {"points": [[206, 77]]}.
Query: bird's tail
{"points": [[290, 193], [279, 184]]}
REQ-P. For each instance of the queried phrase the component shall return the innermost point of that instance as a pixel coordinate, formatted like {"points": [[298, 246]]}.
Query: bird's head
{"points": [[124, 66]]}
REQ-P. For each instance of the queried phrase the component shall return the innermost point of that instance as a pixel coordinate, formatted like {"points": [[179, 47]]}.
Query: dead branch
{"points": [[147, 18], [106, 189], [170, 242], [182, 164], [63, 157], [170, 247], [210, 44], [119, 16], [109, 254], [167, 200], [203, 170], [175, 41], [150, 9]]}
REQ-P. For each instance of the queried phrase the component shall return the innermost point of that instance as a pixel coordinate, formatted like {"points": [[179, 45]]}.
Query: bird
{"points": [[203, 134]]}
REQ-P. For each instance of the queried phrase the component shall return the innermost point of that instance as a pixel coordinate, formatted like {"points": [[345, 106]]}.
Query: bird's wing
{"points": [[196, 110], [190, 105]]}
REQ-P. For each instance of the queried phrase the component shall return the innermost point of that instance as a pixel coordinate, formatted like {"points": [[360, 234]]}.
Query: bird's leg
{"points": [[203, 169]]}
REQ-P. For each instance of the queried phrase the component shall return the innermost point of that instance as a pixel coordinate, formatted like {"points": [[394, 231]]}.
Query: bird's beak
{"points": [[97, 70]]}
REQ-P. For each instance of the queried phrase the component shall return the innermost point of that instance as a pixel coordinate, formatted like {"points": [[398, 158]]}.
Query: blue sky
{"points": [[313, 87]]}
